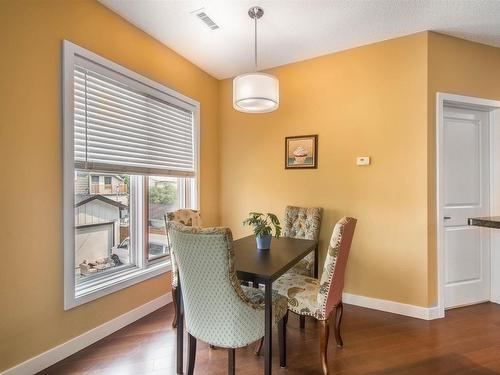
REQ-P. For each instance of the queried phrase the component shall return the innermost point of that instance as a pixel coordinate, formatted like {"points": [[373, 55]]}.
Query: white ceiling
{"points": [[294, 30]]}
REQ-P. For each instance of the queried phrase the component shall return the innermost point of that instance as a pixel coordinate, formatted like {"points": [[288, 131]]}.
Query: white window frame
{"points": [[75, 295]]}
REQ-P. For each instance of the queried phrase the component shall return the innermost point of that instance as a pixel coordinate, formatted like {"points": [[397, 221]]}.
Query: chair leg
{"points": [[339, 311], [180, 333], [282, 340], [231, 357], [191, 354], [174, 300], [258, 347], [323, 345], [302, 320]]}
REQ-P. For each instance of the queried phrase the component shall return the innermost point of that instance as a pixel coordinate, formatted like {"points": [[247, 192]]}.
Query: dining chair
{"points": [[322, 298], [305, 223], [218, 310], [190, 218]]}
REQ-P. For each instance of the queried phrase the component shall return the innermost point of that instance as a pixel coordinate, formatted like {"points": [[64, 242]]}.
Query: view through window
{"points": [[102, 226], [163, 197]]}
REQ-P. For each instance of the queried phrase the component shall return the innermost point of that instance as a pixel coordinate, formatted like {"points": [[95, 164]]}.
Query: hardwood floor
{"points": [[467, 341]]}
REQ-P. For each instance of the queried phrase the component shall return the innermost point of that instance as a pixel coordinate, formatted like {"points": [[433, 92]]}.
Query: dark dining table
{"points": [[260, 267], [487, 222]]}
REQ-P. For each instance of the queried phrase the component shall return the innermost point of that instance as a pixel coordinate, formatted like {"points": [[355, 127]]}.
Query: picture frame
{"points": [[301, 152]]}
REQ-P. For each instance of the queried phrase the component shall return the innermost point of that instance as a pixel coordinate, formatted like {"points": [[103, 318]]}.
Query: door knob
{"points": [[446, 217]]}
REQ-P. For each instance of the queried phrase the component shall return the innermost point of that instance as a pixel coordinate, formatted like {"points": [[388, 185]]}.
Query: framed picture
{"points": [[301, 152]]}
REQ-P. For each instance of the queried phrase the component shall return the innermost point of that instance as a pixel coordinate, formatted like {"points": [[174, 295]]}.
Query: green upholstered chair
{"points": [[322, 298], [218, 310], [190, 218]]}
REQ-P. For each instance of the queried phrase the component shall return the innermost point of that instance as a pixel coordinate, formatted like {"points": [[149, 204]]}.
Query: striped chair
{"points": [[218, 310], [322, 298]]}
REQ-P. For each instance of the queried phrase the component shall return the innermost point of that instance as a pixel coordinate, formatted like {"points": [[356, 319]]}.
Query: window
{"points": [[130, 156]]}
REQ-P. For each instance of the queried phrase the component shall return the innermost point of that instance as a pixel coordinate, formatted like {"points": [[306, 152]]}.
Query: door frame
{"points": [[493, 107]]}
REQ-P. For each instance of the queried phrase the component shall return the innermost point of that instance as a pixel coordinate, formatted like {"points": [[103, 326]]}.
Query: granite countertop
{"points": [[487, 221]]}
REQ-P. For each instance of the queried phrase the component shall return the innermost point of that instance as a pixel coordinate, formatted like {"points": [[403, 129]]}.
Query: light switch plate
{"points": [[363, 160]]}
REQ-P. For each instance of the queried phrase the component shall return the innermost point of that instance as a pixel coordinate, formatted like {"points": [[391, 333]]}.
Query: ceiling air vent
{"points": [[200, 13]]}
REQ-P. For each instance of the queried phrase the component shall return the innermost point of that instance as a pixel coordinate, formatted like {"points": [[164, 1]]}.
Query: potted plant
{"points": [[263, 225]]}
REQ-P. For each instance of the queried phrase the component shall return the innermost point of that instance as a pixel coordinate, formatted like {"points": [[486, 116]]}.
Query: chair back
{"points": [[332, 279], [215, 311], [302, 222], [186, 216]]}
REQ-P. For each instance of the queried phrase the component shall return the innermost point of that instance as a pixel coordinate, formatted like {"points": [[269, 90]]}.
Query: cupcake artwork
{"points": [[300, 155], [301, 152]]}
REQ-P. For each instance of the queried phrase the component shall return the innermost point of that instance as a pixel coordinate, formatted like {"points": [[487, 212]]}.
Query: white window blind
{"points": [[123, 125]]}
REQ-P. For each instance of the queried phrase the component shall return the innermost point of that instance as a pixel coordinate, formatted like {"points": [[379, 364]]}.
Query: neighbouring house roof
{"points": [[83, 199]]}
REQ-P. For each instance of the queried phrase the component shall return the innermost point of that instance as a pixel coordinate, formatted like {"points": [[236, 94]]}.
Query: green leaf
{"points": [[263, 224], [277, 231], [274, 219], [256, 214]]}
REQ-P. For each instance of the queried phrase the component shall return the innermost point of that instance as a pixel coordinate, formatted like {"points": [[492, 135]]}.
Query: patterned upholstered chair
{"points": [[190, 218], [302, 222], [218, 310], [322, 299]]}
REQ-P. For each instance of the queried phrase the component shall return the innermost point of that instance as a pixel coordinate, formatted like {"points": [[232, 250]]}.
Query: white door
{"points": [[465, 194]]}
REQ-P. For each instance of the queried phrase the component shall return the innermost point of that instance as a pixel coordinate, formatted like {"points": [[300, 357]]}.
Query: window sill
{"points": [[99, 287]]}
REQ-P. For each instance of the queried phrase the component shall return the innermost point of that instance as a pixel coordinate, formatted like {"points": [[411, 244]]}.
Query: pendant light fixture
{"points": [[255, 92]]}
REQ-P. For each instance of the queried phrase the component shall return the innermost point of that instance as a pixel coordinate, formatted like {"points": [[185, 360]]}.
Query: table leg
{"points": [[180, 331], [268, 340], [316, 256], [255, 283]]}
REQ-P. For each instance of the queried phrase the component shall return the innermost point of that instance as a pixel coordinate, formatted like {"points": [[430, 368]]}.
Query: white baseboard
{"points": [[495, 299], [426, 313], [54, 355]]}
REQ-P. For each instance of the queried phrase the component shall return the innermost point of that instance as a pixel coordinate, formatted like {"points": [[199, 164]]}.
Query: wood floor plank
{"points": [[467, 341]]}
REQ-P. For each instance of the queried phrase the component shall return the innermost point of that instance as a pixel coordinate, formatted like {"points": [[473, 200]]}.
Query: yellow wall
{"points": [[460, 67], [370, 101], [32, 318]]}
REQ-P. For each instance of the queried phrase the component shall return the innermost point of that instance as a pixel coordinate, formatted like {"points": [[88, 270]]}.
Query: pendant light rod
{"points": [[255, 44], [255, 13]]}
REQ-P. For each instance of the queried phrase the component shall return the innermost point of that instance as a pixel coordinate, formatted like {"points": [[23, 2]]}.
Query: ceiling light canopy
{"points": [[255, 92]]}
